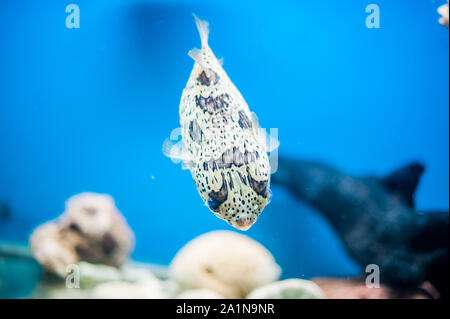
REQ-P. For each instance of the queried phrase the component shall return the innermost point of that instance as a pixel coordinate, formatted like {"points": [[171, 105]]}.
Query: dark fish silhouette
{"points": [[5, 211], [376, 220]]}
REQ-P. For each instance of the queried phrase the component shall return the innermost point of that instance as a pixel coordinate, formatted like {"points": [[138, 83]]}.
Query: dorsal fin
{"points": [[404, 181]]}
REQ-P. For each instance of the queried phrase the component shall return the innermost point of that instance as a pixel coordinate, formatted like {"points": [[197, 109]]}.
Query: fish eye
{"points": [[213, 204]]}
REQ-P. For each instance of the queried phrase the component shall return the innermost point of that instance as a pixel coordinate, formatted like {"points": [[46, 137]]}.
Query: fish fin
{"points": [[174, 150], [268, 141], [197, 56], [404, 181], [177, 152], [203, 29], [186, 165]]}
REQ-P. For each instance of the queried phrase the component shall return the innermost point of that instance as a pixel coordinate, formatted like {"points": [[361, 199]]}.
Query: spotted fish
{"points": [[222, 144]]}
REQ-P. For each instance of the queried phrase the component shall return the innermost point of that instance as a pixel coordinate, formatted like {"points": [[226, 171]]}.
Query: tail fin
{"points": [[203, 29]]}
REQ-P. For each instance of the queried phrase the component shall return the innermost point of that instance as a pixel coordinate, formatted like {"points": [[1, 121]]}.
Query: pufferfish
{"points": [[222, 144]]}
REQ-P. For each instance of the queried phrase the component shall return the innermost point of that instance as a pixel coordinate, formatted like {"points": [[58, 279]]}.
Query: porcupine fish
{"points": [[222, 144]]}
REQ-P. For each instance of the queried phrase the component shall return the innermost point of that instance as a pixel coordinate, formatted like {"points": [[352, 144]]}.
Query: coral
{"points": [[127, 290], [52, 249], [130, 282], [226, 262], [288, 289], [443, 11], [94, 274], [91, 229], [199, 294], [355, 288]]}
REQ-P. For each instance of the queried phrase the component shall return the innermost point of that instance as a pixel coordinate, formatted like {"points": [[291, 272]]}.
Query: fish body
{"points": [[223, 146]]}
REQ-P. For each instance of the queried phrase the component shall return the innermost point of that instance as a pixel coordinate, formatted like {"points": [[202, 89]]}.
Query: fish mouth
{"points": [[243, 223]]}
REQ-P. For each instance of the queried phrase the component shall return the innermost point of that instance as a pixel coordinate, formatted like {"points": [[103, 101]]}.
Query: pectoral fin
{"points": [[177, 152], [197, 56]]}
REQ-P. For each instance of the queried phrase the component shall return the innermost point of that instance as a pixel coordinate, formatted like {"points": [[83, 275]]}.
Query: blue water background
{"points": [[87, 109]]}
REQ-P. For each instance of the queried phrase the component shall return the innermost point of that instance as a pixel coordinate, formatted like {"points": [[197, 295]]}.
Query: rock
{"points": [[136, 274], [443, 11], [132, 280], [355, 288], [127, 290], [226, 262], [199, 294], [58, 290], [93, 274], [127, 282], [52, 249], [170, 288], [107, 237], [91, 229], [288, 289]]}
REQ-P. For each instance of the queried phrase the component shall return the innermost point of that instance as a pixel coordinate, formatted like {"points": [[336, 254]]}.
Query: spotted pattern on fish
{"points": [[205, 80], [229, 165]]}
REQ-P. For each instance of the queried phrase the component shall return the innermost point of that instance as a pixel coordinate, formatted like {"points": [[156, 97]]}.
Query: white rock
{"points": [[127, 290], [51, 250], [199, 294], [91, 229], [170, 288], [137, 274], [226, 262], [443, 11], [288, 289], [107, 238], [94, 273]]}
